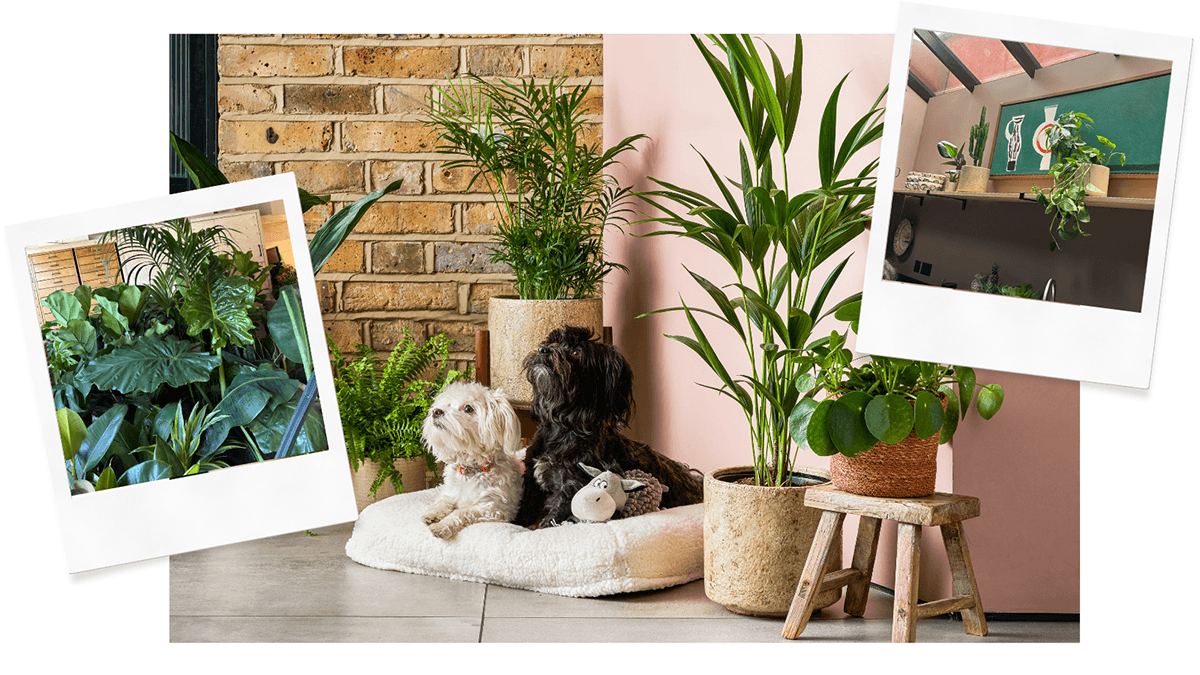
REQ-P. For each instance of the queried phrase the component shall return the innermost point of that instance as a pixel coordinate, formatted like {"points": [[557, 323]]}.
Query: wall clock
{"points": [[902, 239]]}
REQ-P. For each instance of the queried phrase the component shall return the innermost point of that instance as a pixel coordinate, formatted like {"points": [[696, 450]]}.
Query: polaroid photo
{"points": [[178, 363], [1034, 167]]}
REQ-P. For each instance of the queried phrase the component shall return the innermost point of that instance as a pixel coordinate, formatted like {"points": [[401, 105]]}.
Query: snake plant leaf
{"points": [[929, 414], [890, 417], [286, 324], [847, 424], [817, 433], [966, 388], [147, 363], [336, 229], [71, 431], [950, 424], [221, 307], [991, 397], [99, 437], [148, 471]]}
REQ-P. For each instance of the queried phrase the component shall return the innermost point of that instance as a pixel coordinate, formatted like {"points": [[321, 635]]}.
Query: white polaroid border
{"points": [[1036, 338], [240, 503]]}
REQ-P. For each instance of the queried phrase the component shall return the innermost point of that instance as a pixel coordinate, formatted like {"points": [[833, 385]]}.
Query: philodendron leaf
{"points": [[929, 414], [286, 323], [71, 431], [991, 397], [149, 362], [950, 423], [221, 307], [150, 470], [889, 417], [847, 426], [817, 433]]}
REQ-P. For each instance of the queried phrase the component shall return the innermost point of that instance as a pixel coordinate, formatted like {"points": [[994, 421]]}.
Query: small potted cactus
{"points": [[974, 178]]}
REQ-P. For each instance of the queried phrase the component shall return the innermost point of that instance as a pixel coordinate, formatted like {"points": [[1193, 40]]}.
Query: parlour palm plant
{"points": [[772, 238], [528, 143]]}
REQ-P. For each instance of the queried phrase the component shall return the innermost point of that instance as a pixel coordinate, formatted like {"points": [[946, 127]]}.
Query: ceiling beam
{"points": [[948, 59], [919, 87], [1021, 53]]}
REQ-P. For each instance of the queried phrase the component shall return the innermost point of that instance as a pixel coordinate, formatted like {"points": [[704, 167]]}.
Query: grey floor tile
{"points": [[323, 629], [686, 601], [301, 575]]}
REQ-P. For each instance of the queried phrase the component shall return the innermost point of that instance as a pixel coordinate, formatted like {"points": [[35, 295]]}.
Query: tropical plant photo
{"points": [[201, 366], [528, 142]]}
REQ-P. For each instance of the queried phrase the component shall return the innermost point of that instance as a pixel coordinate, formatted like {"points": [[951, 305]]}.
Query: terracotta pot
{"points": [[412, 476], [756, 540], [516, 327], [1097, 175], [973, 179], [904, 469]]}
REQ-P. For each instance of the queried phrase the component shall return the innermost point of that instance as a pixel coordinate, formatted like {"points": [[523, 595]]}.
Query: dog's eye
{"points": [[575, 353], [468, 409]]}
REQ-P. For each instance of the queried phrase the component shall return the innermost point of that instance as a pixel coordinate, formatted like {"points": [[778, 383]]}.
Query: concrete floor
{"points": [[303, 588]]}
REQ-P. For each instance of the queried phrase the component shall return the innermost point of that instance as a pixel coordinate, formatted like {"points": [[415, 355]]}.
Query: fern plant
{"points": [[383, 406]]}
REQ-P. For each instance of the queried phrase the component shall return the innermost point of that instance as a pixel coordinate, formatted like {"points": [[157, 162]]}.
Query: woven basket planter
{"points": [[905, 469], [412, 475]]}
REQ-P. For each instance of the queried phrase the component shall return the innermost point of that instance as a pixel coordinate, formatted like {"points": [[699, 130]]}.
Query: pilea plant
{"points": [[1073, 156]]}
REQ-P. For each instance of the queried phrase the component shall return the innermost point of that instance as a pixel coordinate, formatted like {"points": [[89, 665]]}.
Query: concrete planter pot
{"points": [[973, 179], [1097, 175], [412, 475], [516, 327], [951, 185], [756, 540]]}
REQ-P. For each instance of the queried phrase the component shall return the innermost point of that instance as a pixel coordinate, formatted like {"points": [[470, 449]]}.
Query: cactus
{"points": [[979, 137]]}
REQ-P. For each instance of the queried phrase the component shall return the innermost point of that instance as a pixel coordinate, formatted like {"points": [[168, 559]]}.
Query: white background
{"points": [[83, 116]]}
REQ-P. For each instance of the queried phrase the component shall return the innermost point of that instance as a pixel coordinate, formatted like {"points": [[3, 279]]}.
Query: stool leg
{"points": [[908, 573], [864, 561], [814, 573], [964, 577]]}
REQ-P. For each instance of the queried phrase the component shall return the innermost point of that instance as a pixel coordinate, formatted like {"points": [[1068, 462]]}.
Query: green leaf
{"points": [[805, 382], [99, 437], [71, 431], [64, 306], [202, 171], [890, 417], [799, 420], [991, 397], [308, 200], [817, 433], [150, 470], [929, 414], [149, 362], [268, 430], [847, 425], [250, 393], [111, 317], [221, 307], [107, 479], [950, 423], [966, 387], [336, 229], [286, 323]]}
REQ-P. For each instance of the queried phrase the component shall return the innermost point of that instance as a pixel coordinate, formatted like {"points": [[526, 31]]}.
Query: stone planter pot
{"points": [[973, 179], [756, 540], [951, 186], [412, 475], [1097, 175], [516, 327]]}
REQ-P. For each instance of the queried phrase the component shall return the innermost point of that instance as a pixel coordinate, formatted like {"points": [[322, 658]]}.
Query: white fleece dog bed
{"points": [[655, 550]]}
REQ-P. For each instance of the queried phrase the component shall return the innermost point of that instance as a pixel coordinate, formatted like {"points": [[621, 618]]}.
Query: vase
{"points": [[516, 327], [756, 540]]}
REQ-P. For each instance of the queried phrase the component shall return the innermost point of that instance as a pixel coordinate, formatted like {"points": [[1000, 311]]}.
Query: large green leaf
{"points": [[817, 433], [268, 429], [929, 414], [336, 229], [71, 431], [286, 323], [890, 417], [966, 387], [950, 424], [847, 424], [991, 397], [150, 470], [64, 306], [99, 437], [221, 307], [149, 362], [250, 393], [202, 171]]}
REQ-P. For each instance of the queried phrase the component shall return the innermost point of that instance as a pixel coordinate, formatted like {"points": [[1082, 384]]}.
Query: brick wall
{"points": [[343, 113]]}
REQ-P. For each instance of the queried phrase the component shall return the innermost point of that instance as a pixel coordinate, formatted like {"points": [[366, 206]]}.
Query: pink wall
{"points": [[1020, 463]]}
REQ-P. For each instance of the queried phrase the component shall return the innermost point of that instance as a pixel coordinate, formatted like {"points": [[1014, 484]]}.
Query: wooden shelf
{"points": [[1107, 202]]}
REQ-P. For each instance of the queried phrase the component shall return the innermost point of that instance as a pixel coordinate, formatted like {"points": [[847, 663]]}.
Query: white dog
{"points": [[474, 431]]}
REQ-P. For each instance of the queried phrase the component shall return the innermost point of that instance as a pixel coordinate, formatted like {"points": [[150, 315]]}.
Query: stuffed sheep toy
{"points": [[610, 494]]}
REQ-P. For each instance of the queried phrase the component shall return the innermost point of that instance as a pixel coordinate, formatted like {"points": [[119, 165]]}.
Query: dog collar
{"points": [[472, 470]]}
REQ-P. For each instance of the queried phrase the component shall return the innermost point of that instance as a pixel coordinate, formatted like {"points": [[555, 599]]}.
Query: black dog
{"points": [[582, 398]]}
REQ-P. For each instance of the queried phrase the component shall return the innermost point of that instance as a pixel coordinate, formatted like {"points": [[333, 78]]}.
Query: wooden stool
{"points": [[939, 508]]}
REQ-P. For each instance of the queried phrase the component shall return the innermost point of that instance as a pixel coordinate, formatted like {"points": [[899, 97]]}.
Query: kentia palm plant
{"points": [[773, 241], [527, 142]]}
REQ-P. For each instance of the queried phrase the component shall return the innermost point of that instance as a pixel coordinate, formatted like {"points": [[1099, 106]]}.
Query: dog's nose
{"points": [[438, 412]]}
